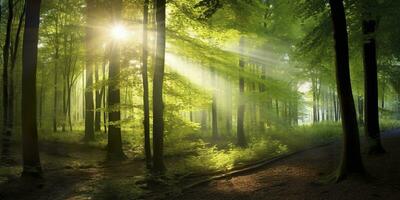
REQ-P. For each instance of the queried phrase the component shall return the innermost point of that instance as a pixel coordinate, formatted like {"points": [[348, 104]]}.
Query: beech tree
{"points": [[372, 130], [30, 149], [158, 79], [351, 161]]}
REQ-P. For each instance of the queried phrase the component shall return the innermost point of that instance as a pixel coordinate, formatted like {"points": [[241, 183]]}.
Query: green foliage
{"points": [[124, 189], [214, 159]]}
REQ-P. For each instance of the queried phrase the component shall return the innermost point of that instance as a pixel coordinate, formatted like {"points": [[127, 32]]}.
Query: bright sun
{"points": [[119, 32]]}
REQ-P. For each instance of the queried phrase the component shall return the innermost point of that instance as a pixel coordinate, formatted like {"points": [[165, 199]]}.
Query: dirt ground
{"points": [[297, 177]]}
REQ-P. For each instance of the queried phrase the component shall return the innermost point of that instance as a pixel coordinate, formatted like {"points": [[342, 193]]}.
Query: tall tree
{"points": [[6, 132], [351, 161], [89, 105], [98, 97], [146, 109], [30, 150], [158, 104], [114, 147], [241, 140], [11, 90], [372, 129], [56, 57], [214, 116]]}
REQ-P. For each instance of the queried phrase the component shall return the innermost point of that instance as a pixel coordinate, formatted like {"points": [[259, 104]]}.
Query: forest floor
{"points": [[297, 177], [294, 177]]}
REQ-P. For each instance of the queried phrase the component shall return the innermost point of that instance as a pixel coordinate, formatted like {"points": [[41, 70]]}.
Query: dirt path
{"points": [[291, 178], [295, 178]]}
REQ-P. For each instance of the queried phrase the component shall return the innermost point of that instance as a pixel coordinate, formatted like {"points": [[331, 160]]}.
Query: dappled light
{"points": [[199, 99]]}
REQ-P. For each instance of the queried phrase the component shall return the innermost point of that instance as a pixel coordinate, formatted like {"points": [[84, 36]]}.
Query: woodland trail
{"points": [[293, 177], [296, 178]]}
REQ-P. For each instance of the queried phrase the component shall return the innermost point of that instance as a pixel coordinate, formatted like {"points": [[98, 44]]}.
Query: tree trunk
{"points": [[383, 96], [30, 150], [228, 109], [372, 130], [214, 117], [104, 91], [64, 103], [146, 107], [263, 106], [98, 97], [69, 107], [56, 57], [158, 104], [114, 147], [89, 107], [6, 132], [241, 140], [351, 161]]}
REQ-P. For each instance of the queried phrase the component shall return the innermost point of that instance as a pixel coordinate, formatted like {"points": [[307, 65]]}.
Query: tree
{"points": [[146, 109], [214, 116], [6, 132], [372, 129], [89, 105], [351, 161], [114, 147], [30, 150], [158, 105], [56, 58], [241, 140], [11, 90]]}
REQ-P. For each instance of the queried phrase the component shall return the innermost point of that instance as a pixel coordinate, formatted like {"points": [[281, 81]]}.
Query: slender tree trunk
{"points": [[11, 88], [114, 147], [241, 140], [104, 91], [56, 57], [158, 104], [30, 150], [41, 104], [351, 161], [69, 107], [314, 91], [263, 106], [372, 130], [229, 109], [146, 107], [214, 117], [89, 107], [98, 92], [7, 131], [383, 96], [64, 103]]}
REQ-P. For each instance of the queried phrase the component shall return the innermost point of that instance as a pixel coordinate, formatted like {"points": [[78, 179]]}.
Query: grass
{"points": [[123, 189], [189, 151]]}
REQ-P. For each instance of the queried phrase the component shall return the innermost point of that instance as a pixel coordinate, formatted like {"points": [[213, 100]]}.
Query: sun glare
{"points": [[119, 32]]}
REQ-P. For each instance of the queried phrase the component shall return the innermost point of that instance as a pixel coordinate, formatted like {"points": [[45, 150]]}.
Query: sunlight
{"points": [[305, 87], [194, 72], [119, 32]]}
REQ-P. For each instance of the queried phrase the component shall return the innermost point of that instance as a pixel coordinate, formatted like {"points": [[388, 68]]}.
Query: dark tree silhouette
{"points": [[30, 150], [241, 140], [146, 109], [89, 105], [372, 129], [6, 132], [158, 105], [114, 147], [351, 161]]}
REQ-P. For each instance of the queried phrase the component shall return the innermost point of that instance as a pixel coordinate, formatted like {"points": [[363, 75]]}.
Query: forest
{"points": [[199, 99]]}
